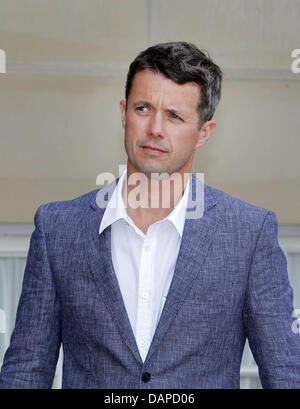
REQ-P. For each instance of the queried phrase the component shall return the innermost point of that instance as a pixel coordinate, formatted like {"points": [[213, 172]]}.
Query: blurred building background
{"points": [[60, 125]]}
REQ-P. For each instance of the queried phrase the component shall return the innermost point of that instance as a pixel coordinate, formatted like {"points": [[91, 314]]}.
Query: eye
{"points": [[141, 108], [174, 116]]}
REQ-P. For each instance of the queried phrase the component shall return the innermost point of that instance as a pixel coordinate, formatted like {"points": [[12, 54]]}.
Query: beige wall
{"points": [[66, 67]]}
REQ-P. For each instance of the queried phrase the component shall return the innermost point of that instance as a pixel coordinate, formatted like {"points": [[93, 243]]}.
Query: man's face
{"points": [[162, 114]]}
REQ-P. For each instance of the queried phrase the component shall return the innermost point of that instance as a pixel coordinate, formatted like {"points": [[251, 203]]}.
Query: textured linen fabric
{"points": [[230, 282], [144, 263]]}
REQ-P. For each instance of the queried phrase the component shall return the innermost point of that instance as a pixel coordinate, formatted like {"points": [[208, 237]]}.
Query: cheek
{"points": [[134, 130], [183, 144], [133, 133]]}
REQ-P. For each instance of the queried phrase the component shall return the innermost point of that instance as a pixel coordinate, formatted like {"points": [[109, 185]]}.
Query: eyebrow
{"points": [[174, 110]]}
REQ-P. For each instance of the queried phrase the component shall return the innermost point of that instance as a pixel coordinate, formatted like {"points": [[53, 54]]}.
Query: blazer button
{"points": [[146, 376]]}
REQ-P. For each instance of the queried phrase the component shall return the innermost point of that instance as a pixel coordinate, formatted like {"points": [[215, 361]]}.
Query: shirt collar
{"points": [[116, 210]]}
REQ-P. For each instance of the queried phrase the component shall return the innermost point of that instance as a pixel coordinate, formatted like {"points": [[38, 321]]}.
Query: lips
{"points": [[152, 148]]}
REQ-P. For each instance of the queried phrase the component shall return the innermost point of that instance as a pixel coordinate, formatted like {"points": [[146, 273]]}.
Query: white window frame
{"points": [[14, 239]]}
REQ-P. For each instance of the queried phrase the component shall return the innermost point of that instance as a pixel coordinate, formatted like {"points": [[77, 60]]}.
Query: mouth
{"points": [[152, 148]]}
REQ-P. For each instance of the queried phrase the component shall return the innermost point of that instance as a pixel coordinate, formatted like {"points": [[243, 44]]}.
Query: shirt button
{"points": [[146, 376], [145, 296], [142, 344], [147, 248]]}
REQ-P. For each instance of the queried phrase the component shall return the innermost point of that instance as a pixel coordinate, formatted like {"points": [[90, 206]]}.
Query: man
{"points": [[145, 296]]}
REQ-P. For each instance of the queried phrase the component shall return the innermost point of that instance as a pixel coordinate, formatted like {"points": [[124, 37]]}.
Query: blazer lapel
{"points": [[197, 237], [98, 248]]}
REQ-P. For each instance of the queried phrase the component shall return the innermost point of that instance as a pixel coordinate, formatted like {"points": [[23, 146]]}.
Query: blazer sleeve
{"points": [[268, 312], [30, 361]]}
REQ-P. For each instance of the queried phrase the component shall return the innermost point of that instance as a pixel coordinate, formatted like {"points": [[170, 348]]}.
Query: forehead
{"points": [[157, 89]]}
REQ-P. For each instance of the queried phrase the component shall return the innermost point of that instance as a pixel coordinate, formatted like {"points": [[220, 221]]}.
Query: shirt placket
{"points": [[144, 322]]}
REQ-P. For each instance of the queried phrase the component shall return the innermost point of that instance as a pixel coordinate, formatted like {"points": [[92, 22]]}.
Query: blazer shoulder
{"points": [[76, 204], [64, 215]]}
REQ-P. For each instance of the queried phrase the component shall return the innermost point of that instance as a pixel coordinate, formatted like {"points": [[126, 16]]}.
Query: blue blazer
{"points": [[230, 282]]}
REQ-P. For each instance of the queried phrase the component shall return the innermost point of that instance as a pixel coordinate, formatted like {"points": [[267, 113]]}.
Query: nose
{"points": [[156, 126]]}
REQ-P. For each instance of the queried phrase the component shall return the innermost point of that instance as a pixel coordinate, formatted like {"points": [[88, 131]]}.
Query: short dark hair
{"points": [[182, 62]]}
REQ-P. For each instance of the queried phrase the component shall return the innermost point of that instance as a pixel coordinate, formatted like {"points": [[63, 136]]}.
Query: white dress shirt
{"points": [[144, 263]]}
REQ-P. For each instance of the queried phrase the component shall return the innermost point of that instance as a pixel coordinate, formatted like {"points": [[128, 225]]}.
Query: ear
{"points": [[205, 133], [123, 112]]}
